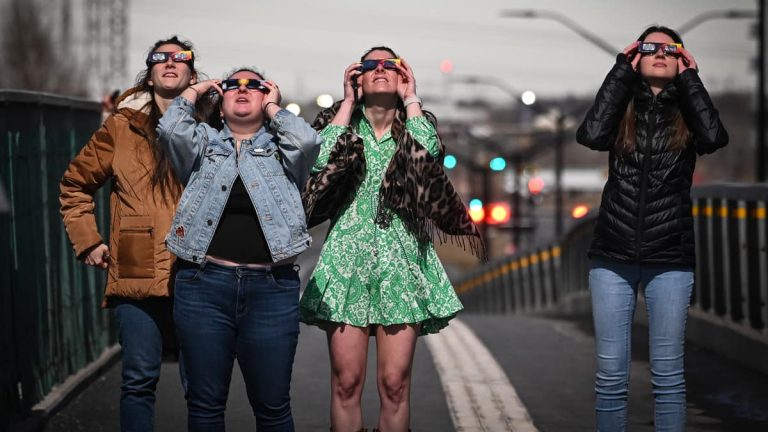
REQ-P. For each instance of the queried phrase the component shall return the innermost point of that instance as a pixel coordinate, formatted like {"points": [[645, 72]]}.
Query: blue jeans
{"points": [[223, 313], [667, 292], [140, 324]]}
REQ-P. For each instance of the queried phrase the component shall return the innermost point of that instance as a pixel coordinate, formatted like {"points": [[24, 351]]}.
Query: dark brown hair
{"points": [[397, 127], [627, 134], [162, 176]]}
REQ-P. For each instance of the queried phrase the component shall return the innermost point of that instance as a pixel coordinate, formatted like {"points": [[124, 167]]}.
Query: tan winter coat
{"points": [[119, 153]]}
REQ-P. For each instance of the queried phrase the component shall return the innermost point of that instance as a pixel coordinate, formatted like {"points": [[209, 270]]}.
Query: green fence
{"points": [[51, 323]]}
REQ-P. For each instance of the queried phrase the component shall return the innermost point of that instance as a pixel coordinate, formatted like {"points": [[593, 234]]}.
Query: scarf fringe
{"points": [[429, 231]]}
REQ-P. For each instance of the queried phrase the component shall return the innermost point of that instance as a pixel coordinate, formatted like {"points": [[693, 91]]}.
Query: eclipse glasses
{"points": [[163, 56], [654, 47], [369, 65], [249, 83]]}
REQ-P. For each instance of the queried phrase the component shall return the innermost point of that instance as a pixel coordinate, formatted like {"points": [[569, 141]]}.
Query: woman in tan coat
{"points": [[125, 153]]}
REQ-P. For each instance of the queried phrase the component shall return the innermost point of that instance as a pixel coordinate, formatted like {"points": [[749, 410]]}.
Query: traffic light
{"points": [[495, 213], [535, 185], [497, 164], [498, 213], [476, 210], [446, 66], [449, 162]]}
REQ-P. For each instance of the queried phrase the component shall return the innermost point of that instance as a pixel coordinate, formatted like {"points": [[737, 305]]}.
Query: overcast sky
{"points": [[305, 45]]}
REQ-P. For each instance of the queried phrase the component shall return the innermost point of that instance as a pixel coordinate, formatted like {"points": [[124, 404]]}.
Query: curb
{"points": [[61, 394]]}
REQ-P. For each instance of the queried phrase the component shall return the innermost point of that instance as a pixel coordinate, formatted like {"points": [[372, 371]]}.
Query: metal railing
{"points": [[51, 323], [731, 272], [731, 256]]}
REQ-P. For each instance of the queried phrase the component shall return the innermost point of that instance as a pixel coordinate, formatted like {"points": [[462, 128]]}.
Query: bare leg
{"points": [[348, 346], [395, 346]]}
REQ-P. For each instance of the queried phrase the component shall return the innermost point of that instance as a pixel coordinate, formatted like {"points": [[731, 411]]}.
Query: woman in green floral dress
{"points": [[378, 274]]}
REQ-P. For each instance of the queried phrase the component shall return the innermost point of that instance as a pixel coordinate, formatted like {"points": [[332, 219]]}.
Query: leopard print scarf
{"points": [[415, 186]]}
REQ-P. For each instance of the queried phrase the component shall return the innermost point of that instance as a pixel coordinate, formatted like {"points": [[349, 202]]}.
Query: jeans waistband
{"points": [[256, 268]]}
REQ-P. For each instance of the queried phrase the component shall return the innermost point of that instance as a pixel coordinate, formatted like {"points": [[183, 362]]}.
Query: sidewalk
{"points": [[97, 408]]}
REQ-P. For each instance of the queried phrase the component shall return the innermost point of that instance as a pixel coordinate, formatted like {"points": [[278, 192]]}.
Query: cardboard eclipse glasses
{"points": [[654, 47]]}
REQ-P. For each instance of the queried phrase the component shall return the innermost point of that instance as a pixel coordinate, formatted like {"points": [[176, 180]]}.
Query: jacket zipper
{"points": [[644, 181]]}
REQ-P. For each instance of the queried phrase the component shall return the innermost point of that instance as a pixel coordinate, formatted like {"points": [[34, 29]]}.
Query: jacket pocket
{"points": [[136, 248], [269, 161]]}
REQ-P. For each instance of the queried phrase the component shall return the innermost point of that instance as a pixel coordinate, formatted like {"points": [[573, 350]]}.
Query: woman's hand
{"points": [[632, 55], [352, 73], [272, 95], [196, 91], [686, 61], [204, 87], [98, 256], [406, 86]]}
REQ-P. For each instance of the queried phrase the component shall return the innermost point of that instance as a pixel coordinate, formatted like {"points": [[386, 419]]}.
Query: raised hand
{"points": [[272, 95], [686, 61], [406, 86], [632, 55], [352, 73]]}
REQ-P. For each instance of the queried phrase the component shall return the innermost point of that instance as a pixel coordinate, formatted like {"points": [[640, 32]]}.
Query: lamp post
{"points": [[761, 173], [760, 147], [528, 99], [564, 20], [486, 80], [715, 14]]}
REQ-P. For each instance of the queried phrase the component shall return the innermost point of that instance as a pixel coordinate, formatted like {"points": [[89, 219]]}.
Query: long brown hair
{"points": [[626, 138], [163, 178], [397, 130]]}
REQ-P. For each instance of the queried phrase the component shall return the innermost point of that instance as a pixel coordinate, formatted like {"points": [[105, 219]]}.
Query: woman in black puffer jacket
{"points": [[653, 115]]}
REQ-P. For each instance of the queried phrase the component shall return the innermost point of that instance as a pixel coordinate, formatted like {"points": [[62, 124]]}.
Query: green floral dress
{"points": [[369, 275]]}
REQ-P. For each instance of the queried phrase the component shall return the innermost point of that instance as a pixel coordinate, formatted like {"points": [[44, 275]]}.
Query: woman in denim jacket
{"points": [[238, 228]]}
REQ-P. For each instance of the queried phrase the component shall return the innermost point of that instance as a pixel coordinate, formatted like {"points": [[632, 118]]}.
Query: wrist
{"points": [[266, 105], [411, 100]]}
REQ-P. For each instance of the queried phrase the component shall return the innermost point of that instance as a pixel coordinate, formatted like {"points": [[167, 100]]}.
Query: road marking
{"points": [[478, 392]]}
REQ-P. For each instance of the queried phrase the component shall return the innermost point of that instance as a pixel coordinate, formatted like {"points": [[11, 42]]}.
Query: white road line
{"points": [[478, 392]]}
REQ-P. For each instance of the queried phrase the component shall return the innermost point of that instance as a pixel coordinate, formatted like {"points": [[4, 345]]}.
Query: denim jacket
{"points": [[272, 167]]}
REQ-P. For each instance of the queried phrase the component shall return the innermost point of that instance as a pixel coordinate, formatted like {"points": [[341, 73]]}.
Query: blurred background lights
{"points": [[498, 164], [324, 101], [528, 97], [294, 108], [450, 161], [446, 66], [580, 211]]}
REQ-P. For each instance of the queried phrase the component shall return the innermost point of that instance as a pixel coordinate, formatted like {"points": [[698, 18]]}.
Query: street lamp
{"points": [[760, 171], [486, 80], [293, 108], [714, 14], [529, 98], [324, 101], [564, 20]]}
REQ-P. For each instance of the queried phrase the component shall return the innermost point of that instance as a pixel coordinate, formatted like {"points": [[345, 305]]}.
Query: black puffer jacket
{"points": [[645, 214]]}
